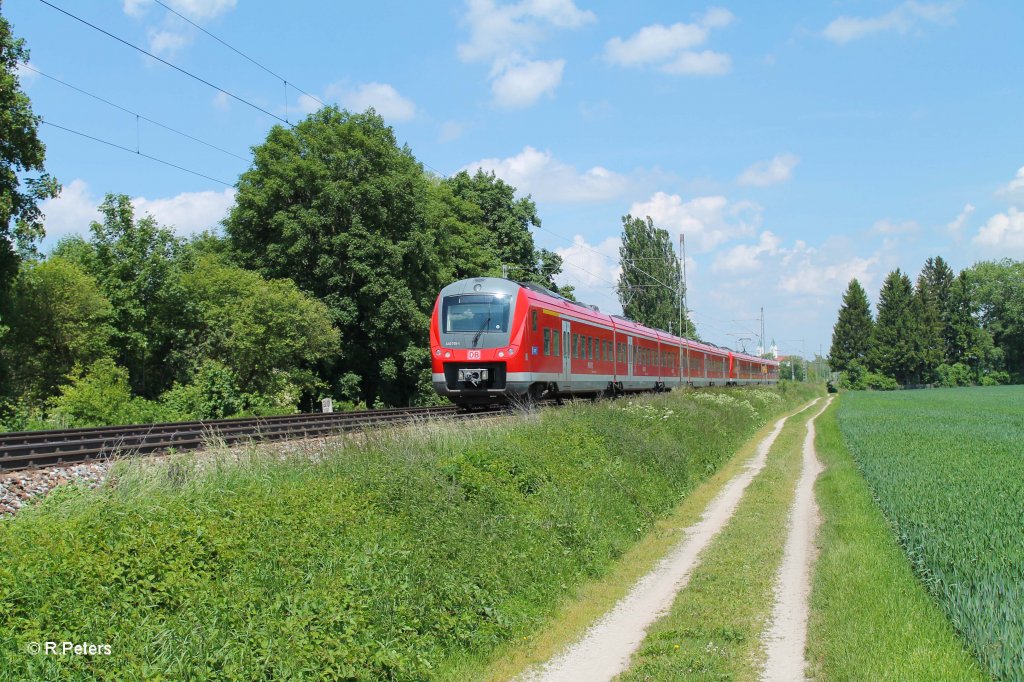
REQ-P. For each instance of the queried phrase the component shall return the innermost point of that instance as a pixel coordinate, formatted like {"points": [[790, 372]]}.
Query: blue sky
{"points": [[796, 145]]}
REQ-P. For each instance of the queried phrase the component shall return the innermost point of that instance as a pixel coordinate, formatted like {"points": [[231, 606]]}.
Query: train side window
{"points": [[575, 345], [557, 338], [547, 342], [533, 319], [590, 348]]}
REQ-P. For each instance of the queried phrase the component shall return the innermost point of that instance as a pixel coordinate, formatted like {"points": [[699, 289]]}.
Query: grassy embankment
{"points": [[947, 471], [713, 630], [871, 619], [401, 555]]}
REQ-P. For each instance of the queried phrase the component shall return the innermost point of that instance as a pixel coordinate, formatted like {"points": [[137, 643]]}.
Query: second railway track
{"points": [[33, 449]]}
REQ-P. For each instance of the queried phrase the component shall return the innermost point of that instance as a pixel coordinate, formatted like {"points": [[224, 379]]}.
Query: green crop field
{"points": [[947, 468]]}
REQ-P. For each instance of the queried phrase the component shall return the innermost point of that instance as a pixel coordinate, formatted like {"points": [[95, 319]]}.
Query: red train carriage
{"points": [[492, 339]]}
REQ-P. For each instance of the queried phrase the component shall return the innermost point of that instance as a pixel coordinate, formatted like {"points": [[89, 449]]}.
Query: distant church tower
{"points": [[774, 350]]}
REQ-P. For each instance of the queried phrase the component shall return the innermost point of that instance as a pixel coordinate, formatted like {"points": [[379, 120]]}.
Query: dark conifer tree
{"points": [[939, 277], [851, 336], [893, 344], [929, 344]]}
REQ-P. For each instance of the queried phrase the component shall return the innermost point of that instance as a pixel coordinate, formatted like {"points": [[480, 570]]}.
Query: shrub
{"points": [[959, 374], [879, 382], [100, 396]]}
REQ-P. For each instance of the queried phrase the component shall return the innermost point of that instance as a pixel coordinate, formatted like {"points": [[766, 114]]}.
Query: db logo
{"points": [[473, 355]]}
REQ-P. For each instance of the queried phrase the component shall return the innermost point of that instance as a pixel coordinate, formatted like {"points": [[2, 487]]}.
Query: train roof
{"points": [[551, 299]]}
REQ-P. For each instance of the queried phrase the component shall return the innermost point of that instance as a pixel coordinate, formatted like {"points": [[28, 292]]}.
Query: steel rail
{"points": [[34, 449]]}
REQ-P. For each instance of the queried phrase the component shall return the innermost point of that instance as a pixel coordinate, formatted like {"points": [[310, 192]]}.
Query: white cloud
{"points": [[381, 96], [173, 33], [548, 179], [1003, 230], [451, 130], [592, 270], [901, 19], [671, 47], [764, 173], [189, 212], [654, 43], [888, 227], [521, 85], [166, 42], [1014, 190], [506, 35], [384, 99], [961, 220], [196, 10], [498, 31], [706, 221], [706, 63], [592, 266], [71, 212], [306, 104], [221, 101], [746, 257], [25, 72], [811, 277]]}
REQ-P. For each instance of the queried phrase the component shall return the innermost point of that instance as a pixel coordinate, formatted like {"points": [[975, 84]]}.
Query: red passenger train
{"points": [[492, 340]]}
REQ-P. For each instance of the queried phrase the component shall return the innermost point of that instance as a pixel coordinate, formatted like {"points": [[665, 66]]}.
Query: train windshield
{"points": [[476, 313]]}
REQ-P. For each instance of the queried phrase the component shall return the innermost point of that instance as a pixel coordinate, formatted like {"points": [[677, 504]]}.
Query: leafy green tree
{"points": [[21, 151], [507, 222], [338, 207], [970, 344], [100, 395], [894, 338], [650, 285], [997, 292], [930, 346], [59, 320], [464, 244], [267, 334], [136, 263], [851, 336]]}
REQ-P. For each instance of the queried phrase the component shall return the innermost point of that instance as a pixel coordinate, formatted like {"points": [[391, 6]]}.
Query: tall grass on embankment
{"points": [[947, 471], [870, 617], [388, 556]]}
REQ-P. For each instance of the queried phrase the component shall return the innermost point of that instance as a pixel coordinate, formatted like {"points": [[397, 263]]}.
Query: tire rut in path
{"points": [[606, 648], [786, 636]]}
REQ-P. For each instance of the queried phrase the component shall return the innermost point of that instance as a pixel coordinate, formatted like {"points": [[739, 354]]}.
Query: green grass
{"points": [[946, 467], [400, 555], [713, 631], [870, 617]]}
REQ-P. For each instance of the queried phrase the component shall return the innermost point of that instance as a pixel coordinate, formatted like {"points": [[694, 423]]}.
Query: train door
{"points": [[566, 380], [629, 355]]}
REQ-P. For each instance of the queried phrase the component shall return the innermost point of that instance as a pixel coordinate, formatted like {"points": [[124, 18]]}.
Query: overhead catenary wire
{"points": [[167, 63], [134, 113], [287, 83], [136, 152], [268, 113]]}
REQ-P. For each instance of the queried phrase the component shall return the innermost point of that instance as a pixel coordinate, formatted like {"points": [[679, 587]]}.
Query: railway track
{"points": [[35, 449]]}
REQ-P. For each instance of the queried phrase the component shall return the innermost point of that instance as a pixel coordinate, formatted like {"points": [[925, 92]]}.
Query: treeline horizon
{"points": [[321, 285], [944, 329]]}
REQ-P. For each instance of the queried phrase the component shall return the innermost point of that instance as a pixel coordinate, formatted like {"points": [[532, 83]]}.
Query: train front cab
{"points": [[476, 332]]}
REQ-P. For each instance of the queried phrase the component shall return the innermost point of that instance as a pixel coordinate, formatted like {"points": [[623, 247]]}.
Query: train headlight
{"points": [[437, 352], [448, 354], [511, 351], [501, 353]]}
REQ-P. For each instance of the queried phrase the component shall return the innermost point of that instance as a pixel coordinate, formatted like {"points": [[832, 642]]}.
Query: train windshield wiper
{"points": [[486, 323]]}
